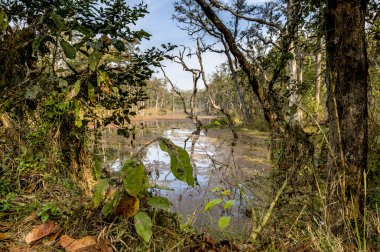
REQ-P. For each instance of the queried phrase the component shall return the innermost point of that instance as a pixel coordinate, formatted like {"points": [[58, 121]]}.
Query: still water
{"points": [[216, 166]]}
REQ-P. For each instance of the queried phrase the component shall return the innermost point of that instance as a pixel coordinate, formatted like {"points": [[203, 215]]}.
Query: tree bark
{"points": [[294, 99], [347, 87], [318, 70]]}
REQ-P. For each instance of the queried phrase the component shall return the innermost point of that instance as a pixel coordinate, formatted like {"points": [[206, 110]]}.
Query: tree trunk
{"points": [[318, 81], [347, 87], [295, 115]]}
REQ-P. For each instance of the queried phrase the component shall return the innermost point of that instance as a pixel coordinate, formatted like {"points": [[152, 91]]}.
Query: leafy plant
{"points": [[143, 225], [124, 200], [48, 210], [180, 164], [223, 221], [159, 203]]}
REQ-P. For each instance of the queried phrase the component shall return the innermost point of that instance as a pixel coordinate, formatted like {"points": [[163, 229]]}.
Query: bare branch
{"points": [[256, 20]]}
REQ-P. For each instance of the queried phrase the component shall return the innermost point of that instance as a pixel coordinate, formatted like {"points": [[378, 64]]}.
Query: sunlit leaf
{"points": [[224, 222], [68, 49], [226, 193], [74, 91], [4, 236], [159, 202], [228, 204], [78, 114], [143, 225], [134, 177], [87, 243], [128, 206], [213, 203], [100, 191], [215, 189], [3, 20], [91, 92], [180, 164], [42, 231]]}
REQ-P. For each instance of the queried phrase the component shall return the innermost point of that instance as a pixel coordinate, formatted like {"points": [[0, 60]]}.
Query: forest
{"points": [[276, 149]]}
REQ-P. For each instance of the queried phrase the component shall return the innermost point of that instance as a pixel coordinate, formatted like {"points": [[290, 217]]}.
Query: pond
{"points": [[220, 170]]}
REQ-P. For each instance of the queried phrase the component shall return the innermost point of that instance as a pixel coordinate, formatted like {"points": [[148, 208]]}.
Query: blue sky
{"points": [[164, 30]]}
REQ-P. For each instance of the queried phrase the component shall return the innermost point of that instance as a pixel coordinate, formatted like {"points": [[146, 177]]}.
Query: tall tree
{"points": [[347, 87]]}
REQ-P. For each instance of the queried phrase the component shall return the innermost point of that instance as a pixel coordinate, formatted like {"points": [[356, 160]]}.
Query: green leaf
{"points": [[85, 31], [110, 206], [228, 204], [3, 20], [93, 60], [224, 222], [213, 203], [134, 177], [143, 225], [226, 193], [160, 203], [79, 115], [91, 92], [215, 189], [36, 43], [59, 21], [183, 226], [69, 50], [75, 91], [119, 45], [100, 191], [44, 217], [180, 164], [32, 92]]}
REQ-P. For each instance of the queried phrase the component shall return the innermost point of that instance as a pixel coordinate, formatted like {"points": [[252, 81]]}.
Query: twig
{"points": [[257, 230]]}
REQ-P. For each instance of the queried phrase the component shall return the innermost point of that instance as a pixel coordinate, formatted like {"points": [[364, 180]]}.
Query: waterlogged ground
{"points": [[221, 171]]}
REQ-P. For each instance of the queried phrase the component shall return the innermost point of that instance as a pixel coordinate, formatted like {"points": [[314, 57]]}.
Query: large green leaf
{"points": [[143, 225], [100, 191], [69, 50], [3, 20], [78, 114], [213, 203], [159, 202], [180, 164], [93, 60], [134, 177], [224, 222]]}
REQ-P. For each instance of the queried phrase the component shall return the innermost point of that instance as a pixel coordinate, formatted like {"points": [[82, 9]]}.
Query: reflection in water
{"points": [[209, 157]]}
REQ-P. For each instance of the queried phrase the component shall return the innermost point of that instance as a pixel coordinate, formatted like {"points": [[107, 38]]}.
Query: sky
{"points": [[164, 30]]}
